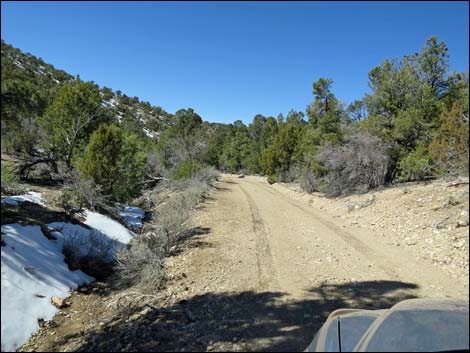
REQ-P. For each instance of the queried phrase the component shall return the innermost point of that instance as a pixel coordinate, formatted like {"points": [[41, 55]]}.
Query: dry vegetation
{"points": [[140, 264]]}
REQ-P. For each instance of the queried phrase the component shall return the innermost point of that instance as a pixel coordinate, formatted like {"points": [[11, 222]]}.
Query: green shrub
{"points": [[272, 179], [115, 161], [72, 201], [102, 156], [186, 169], [10, 179], [8, 172], [416, 165]]}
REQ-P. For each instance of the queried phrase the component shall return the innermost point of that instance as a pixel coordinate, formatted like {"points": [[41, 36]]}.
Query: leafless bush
{"points": [[138, 265], [308, 181], [169, 220], [12, 187], [358, 165], [141, 263], [181, 149], [93, 253], [207, 175], [170, 223], [90, 191], [291, 175], [194, 194], [154, 164]]}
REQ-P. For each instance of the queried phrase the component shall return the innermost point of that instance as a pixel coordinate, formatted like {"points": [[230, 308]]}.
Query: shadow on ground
{"points": [[192, 238], [29, 213], [245, 321]]}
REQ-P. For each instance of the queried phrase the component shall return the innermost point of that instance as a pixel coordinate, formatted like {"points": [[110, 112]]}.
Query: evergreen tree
{"points": [[70, 119], [102, 156]]}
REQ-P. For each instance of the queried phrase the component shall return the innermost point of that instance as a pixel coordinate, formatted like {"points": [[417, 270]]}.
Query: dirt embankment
{"points": [[261, 271]]}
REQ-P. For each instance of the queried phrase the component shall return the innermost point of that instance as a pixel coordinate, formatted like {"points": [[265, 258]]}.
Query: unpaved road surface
{"points": [[267, 269], [261, 272]]}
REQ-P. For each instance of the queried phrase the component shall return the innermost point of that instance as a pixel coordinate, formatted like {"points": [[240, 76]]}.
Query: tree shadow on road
{"points": [[243, 321]]}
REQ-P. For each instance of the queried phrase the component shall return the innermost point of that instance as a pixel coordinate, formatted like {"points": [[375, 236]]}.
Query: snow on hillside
{"points": [[33, 271], [31, 196], [148, 132]]}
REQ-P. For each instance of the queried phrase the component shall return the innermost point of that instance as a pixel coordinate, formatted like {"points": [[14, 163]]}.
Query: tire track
{"points": [[347, 237], [264, 258]]}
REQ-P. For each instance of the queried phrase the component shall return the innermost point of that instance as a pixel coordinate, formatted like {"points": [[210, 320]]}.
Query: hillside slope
{"points": [[31, 70]]}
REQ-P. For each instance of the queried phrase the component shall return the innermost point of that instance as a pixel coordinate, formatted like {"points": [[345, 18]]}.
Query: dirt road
{"points": [[261, 272], [265, 270]]}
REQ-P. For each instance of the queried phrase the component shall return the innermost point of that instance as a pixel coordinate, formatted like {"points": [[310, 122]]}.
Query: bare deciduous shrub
{"points": [[358, 165], [93, 253], [207, 175], [90, 191], [12, 188], [291, 175], [138, 265], [194, 194], [308, 181], [169, 224]]}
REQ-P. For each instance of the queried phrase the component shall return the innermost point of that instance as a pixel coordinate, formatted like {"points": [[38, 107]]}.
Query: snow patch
{"points": [[18, 63], [87, 242], [134, 216], [32, 196], [148, 132], [33, 271], [108, 226]]}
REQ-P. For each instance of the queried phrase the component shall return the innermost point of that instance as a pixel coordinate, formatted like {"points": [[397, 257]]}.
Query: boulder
{"points": [[59, 303]]}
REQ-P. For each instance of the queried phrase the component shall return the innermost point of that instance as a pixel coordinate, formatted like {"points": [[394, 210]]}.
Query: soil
{"points": [[261, 271]]}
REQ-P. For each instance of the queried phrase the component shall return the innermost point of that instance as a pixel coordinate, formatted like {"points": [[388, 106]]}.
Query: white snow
{"points": [[148, 132], [31, 196], [33, 268], [133, 215], [113, 229], [18, 63], [88, 242], [33, 271]]}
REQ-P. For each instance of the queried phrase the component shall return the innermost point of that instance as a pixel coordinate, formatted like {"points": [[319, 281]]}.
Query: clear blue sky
{"points": [[231, 60]]}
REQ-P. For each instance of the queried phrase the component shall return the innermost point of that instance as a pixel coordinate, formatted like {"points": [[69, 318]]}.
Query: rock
{"points": [[59, 303], [459, 245], [83, 289], [462, 221], [409, 241], [41, 322]]}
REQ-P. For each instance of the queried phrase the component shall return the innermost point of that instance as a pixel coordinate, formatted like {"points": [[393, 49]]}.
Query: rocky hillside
{"points": [[26, 67]]}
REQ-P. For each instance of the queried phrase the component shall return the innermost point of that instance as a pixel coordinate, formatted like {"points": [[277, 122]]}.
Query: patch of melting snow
{"points": [[108, 226], [133, 215], [33, 268], [31, 196], [148, 132], [33, 271]]}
